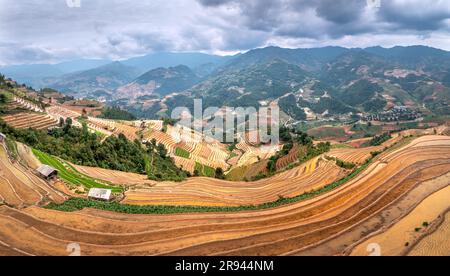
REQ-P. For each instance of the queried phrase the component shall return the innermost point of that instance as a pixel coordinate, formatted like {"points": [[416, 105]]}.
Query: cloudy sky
{"points": [[42, 31]]}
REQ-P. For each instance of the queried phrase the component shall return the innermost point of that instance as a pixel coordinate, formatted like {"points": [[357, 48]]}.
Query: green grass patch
{"points": [[205, 170], [182, 153], [71, 176], [12, 148], [341, 146]]}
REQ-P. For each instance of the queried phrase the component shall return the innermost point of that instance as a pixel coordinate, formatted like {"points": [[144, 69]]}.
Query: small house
{"points": [[47, 172], [2, 137], [100, 194]]}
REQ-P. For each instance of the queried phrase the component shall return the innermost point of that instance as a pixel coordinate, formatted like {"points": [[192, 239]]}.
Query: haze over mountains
{"points": [[320, 81]]}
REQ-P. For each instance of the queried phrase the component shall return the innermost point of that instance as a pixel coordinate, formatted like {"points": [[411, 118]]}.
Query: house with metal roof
{"points": [[100, 194], [47, 172], [2, 137]]}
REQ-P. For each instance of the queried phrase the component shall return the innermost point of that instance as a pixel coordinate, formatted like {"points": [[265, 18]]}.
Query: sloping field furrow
{"points": [[267, 232], [206, 191], [18, 183], [110, 126], [39, 185], [8, 194], [20, 117], [116, 177], [44, 124], [435, 244], [282, 230], [393, 240], [20, 186], [186, 164], [30, 120], [211, 155], [288, 159], [162, 138], [39, 123], [62, 112]]}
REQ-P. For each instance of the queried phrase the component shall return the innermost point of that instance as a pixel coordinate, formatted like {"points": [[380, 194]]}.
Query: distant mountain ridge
{"points": [[103, 79], [318, 82], [37, 75], [159, 82]]}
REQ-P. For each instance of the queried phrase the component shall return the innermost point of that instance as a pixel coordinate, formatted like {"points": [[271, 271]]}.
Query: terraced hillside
{"points": [[30, 120], [20, 187], [312, 175], [326, 224]]}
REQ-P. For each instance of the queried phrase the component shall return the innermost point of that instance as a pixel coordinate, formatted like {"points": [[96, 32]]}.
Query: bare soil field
{"points": [[27, 156], [399, 238], [30, 120], [435, 244], [116, 177], [20, 187], [336, 217], [212, 192]]}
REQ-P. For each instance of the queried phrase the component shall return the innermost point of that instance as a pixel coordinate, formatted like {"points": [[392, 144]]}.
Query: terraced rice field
{"points": [[19, 187], [30, 120], [70, 175], [161, 138], [404, 234], [111, 127], [253, 154], [179, 143], [182, 153], [292, 157], [186, 164], [27, 105], [325, 225], [116, 177], [58, 112], [249, 172], [211, 192]]}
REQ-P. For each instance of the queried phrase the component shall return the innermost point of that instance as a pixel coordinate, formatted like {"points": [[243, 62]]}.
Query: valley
{"points": [[347, 172]]}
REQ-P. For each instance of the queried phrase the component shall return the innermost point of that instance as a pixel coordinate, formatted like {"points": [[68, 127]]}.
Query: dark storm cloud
{"points": [[416, 15], [341, 11], [47, 31]]}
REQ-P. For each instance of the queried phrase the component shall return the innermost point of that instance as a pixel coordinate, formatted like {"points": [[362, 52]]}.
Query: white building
{"points": [[2, 137], [100, 194]]}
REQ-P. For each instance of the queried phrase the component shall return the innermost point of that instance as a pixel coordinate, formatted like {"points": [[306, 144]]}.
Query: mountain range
{"points": [[318, 82]]}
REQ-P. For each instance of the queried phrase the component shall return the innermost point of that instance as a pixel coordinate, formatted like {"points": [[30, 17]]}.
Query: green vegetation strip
{"points": [[182, 153], [76, 204], [12, 148], [204, 170], [70, 175]]}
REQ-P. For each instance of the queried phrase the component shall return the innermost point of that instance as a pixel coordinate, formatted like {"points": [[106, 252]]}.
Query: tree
{"points": [[220, 174], [61, 122], [68, 125], [162, 151], [85, 131]]}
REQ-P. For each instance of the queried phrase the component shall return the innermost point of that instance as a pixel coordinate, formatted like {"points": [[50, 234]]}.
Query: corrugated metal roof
{"points": [[46, 170], [104, 194]]}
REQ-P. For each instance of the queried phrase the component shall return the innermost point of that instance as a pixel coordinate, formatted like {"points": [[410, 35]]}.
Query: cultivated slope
{"points": [[305, 227]]}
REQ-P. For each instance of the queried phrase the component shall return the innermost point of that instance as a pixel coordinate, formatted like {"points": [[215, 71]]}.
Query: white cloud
{"points": [[34, 31]]}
